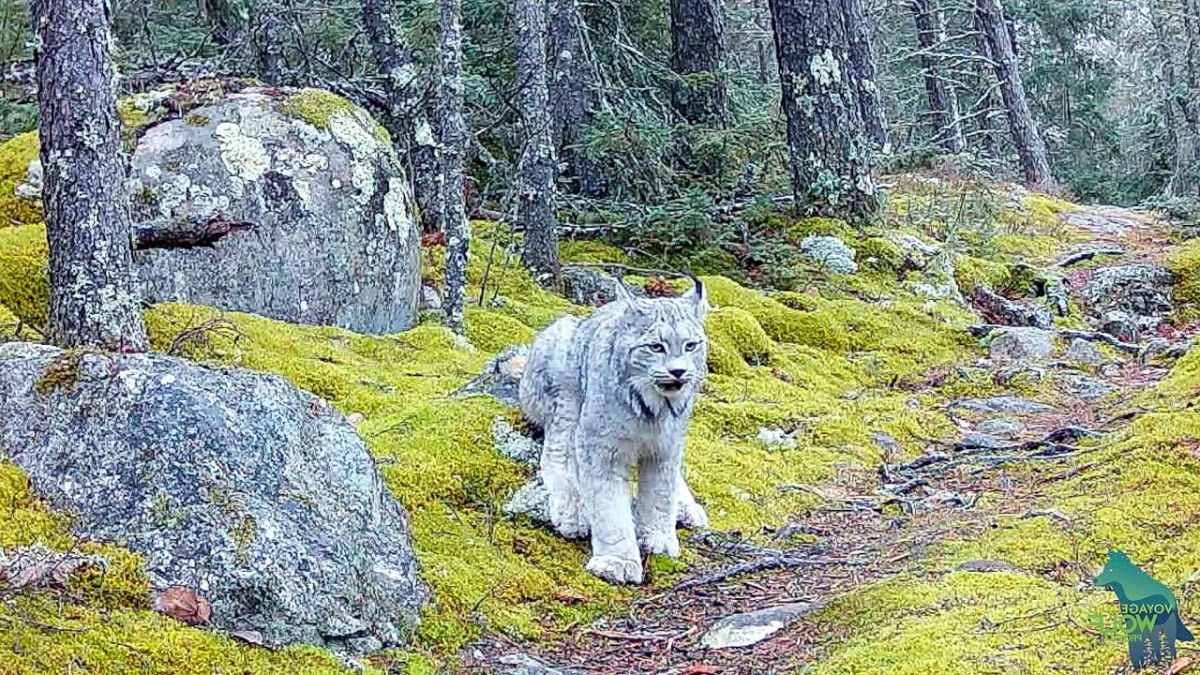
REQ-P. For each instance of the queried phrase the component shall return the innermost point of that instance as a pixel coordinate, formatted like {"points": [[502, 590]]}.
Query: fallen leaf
{"points": [[570, 597], [183, 605], [1181, 665], [699, 669]]}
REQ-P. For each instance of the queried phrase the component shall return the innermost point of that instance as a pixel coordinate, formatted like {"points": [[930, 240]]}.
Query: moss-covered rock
{"points": [[15, 156], [24, 273]]}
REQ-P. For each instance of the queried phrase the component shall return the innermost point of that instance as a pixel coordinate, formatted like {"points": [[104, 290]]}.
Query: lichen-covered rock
{"points": [[999, 309], [1085, 352], [1141, 290], [830, 253], [591, 288], [235, 484], [1022, 344], [333, 239]]}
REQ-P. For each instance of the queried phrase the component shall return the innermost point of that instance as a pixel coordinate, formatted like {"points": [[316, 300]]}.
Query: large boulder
{"points": [[256, 495], [333, 238], [1139, 289], [319, 210]]}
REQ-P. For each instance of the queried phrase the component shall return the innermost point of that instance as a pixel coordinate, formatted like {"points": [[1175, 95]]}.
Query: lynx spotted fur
{"points": [[615, 391]]}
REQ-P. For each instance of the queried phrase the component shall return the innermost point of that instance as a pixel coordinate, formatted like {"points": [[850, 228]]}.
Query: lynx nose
{"points": [[678, 373]]}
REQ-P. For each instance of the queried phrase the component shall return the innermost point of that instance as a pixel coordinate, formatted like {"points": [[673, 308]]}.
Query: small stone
{"points": [[1001, 426], [524, 664], [1084, 386], [776, 438], [530, 500], [501, 377], [1009, 312], [355, 419], [430, 298], [1022, 344], [741, 630], [1084, 351], [986, 441], [1120, 325]]}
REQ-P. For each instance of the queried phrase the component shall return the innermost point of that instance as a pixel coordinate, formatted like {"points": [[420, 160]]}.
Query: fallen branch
{"points": [[1081, 256], [190, 234], [761, 565]]}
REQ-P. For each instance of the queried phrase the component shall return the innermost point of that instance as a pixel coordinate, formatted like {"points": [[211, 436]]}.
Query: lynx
{"points": [[615, 391]]}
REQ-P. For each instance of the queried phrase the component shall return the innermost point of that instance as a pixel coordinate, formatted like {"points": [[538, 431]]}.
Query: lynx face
{"points": [[666, 346]]}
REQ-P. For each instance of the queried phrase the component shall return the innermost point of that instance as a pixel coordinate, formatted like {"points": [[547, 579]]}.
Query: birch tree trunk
{"points": [[454, 141], [93, 296], [405, 119], [572, 94], [1029, 144], [828, 147], [536, 166], [944, 114], [698, 60], [862, 58]]}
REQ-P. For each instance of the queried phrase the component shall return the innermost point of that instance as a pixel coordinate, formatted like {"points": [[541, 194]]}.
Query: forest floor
{"points": [[888, 523]]}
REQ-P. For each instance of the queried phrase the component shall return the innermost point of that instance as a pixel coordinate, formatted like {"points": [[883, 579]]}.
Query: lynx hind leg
{"points": [[688, 512], [557, 472]]}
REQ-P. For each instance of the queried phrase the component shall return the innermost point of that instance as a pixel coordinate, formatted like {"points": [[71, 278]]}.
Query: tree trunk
{"points": [[1185, 180], [943, 102], [862, 60], [1025, 136], [454, 141], [269, 44], [987, 101], [93, 295], [226, 25], [535, 168], [405, 119], [828, 147], [698, 60], [572, 94]]}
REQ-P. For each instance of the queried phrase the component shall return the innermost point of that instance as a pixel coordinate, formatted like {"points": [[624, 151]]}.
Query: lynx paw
{"points": [[691, 515], [616, 570], [661, 543]]}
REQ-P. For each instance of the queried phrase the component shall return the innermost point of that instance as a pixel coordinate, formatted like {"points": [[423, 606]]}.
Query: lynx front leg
{"points": [[605, 494], [688, 512], [557, 475], [658, 476]]}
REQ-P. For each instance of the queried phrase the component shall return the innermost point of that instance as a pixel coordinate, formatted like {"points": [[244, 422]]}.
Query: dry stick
{"points": [[1088, 255], [772, 563]]}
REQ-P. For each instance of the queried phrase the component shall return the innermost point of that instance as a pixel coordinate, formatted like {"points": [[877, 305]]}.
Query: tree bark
{"points": [[1025, 136], [93, 296], [572, 94], [226, 25], [944, 114], [862, 59], [269, 44], [536, 166], [698, 60], [828, 147], [987, 101], [454, 141], [405, 118], [765, 46]]}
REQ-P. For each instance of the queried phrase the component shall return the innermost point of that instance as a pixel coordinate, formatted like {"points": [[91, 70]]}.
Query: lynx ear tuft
{"points": [[698, 295]]}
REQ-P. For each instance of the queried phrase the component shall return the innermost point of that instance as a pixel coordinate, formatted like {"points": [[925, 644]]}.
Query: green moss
{"points": [[15, 156], [24, 273], [736, 330], [878, 254], [196, 119], [1184, 263], [832, 227], [590, 251]]}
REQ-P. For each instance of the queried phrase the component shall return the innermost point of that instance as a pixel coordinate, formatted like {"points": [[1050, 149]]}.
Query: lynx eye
{"points": [[691, 346], [657, 348]]}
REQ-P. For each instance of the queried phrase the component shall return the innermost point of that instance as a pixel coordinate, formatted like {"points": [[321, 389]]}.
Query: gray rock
{"points": [[501, 377], [985, 441], [987, 566], [255, 494], [1022, 344], [511, 444], [1083, 386], [1002, 404], [531, 500], [830, 253], [333, 241], [1009, 312], [591, 288], [1140, 290], [889, 445], [1056, 294], [742, 630], [430, 298], [1001, 426], [917, 250], [1084, 351], [1121, 325], [524, 664]]}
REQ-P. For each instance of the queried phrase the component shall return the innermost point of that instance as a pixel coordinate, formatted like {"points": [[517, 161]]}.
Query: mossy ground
{"points": [[15, 156], [831, 363]]}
